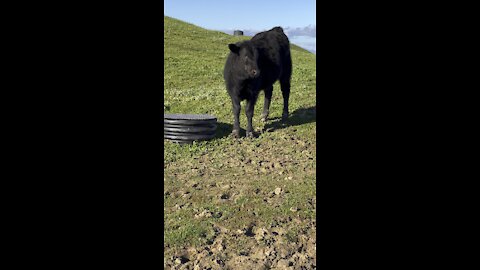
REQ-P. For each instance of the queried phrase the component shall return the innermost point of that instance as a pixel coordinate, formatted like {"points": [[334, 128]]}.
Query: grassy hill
{"points": [[226, 190]]}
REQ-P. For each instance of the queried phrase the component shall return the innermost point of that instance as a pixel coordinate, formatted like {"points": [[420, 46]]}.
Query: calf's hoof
{"points": [[250, 134], [284, 116], [235, 133]]}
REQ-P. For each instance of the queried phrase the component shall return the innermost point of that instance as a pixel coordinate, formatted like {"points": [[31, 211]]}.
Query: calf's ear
{"points": [[234, 48]]}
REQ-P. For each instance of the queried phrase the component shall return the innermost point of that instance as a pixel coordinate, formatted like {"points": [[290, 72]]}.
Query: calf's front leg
{"points": [[266, 105], [249, 112], [236, 118]]}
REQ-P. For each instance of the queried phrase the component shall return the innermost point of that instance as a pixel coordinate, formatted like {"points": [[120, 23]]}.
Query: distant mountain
{"points": [[304, 37]]}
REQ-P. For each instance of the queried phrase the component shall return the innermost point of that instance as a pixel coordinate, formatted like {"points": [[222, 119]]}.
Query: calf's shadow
{"points": [[298, 117], [224, 130]]}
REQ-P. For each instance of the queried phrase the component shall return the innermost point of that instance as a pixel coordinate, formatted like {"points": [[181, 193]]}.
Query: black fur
{"points": [[254, 65]]}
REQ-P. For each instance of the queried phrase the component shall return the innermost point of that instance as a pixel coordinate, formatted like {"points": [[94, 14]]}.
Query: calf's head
{"points": [[247, 57]]}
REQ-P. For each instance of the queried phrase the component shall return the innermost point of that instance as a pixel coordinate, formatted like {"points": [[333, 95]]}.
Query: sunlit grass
{"points": [[285, 157]]}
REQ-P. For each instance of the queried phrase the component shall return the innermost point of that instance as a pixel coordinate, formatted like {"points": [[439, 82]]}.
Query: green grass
{"points": [[285, 157]]}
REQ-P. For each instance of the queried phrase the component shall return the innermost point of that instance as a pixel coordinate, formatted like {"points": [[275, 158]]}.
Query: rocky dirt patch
{"points": [[275, 246]]}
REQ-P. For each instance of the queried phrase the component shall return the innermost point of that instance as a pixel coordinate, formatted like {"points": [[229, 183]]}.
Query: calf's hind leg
{"points": [[285, 86]]}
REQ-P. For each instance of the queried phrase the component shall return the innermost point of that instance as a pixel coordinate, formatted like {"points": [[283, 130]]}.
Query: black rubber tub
{"points": [[186, 128]]}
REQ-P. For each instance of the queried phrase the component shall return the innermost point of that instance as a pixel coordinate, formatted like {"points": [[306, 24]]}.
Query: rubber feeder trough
{"points": [[186, 128]]}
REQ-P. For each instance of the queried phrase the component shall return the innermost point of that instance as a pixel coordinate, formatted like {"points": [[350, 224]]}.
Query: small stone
{"points": [[278, 231], [293, 209], [282, 264], [204, 213], [278, 191], [260, 234]]}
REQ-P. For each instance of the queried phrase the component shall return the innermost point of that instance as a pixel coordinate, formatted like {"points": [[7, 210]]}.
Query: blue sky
{"points": [[297, 17]]}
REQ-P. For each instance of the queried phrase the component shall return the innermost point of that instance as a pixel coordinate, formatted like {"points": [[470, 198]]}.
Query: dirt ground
{"points": [[270, 247]]}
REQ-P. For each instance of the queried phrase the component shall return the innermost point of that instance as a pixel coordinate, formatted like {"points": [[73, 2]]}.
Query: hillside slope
{"points": [[237, 203], [194, 61]]}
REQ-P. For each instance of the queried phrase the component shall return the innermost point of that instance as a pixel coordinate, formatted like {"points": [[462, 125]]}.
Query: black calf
{"points": [[255, 65]]}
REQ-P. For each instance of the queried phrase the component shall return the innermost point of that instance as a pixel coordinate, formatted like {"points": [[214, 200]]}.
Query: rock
{"points": [[278, 191], [218, 246], [270, 251], [260, 234], [282, 264], [283, 251], [204, 213], [239, 232], [278, 231], [258, 253]]}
